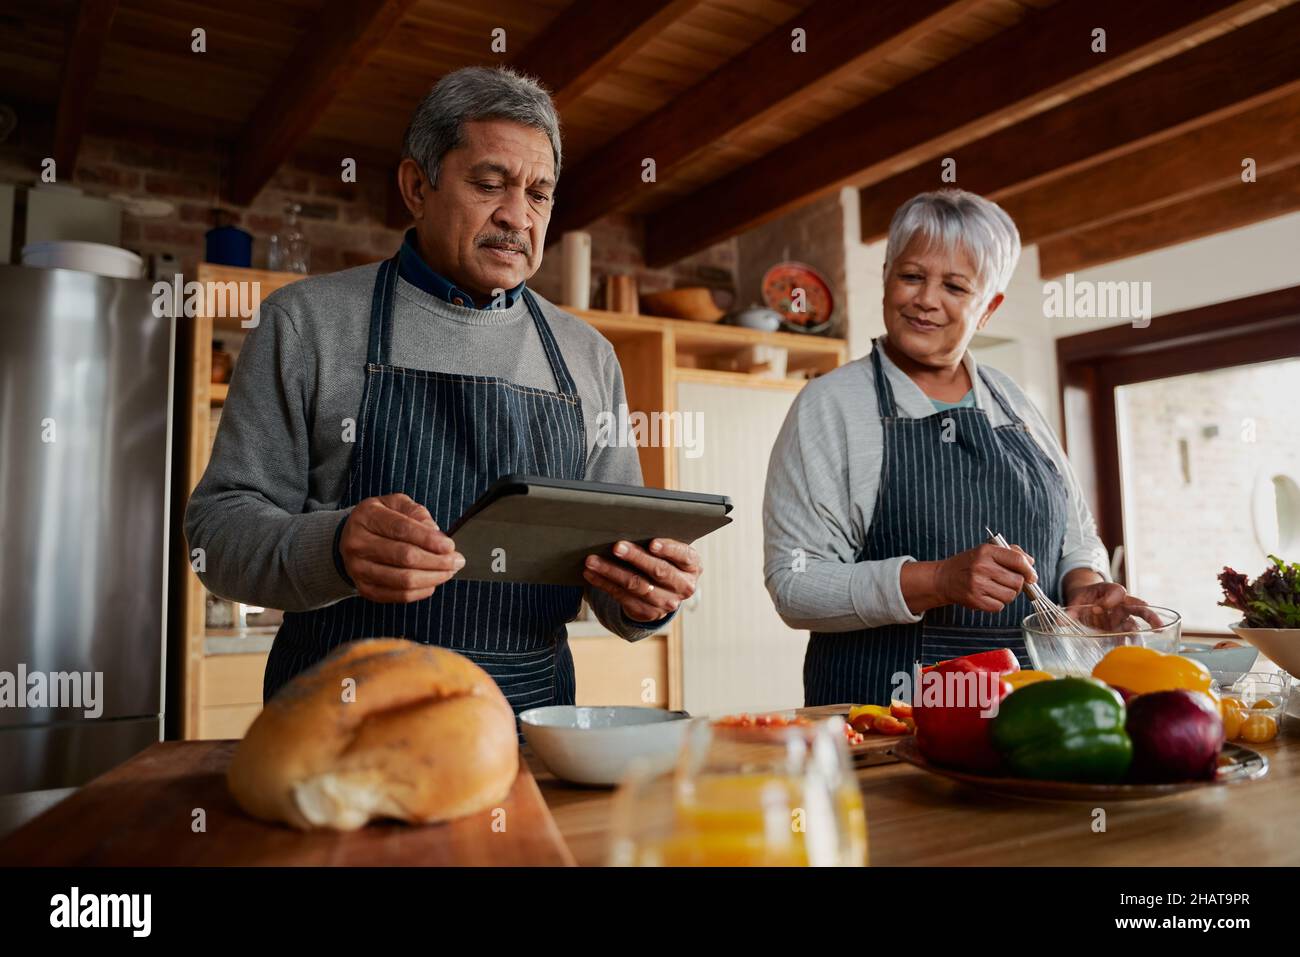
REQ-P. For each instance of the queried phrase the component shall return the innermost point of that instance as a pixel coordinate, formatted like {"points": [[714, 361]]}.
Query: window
{"points": [[1208, 466], [1183, 434]]}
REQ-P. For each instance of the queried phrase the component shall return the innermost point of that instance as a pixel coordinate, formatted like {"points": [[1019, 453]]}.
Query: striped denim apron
{"points": [[942, 479], [443, 438]]}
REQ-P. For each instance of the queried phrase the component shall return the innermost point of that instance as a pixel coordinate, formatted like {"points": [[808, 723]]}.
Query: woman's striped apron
{"points": [[942, 479], [443, 438]]}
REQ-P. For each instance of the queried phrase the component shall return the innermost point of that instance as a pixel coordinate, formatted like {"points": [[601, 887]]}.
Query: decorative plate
{"points": [[780, 285]]}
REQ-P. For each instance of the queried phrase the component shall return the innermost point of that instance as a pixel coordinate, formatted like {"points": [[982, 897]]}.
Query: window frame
{"points": [[1092, 365]]}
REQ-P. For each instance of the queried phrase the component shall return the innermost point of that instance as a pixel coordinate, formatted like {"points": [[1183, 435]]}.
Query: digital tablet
{"points": [[528, 528]]}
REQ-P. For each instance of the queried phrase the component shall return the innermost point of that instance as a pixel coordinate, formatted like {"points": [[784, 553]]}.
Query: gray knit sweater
{"points": [[267, 507]]}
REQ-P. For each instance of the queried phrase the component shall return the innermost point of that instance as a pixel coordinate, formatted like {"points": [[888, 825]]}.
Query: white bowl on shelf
{"points": [[99, 258]]}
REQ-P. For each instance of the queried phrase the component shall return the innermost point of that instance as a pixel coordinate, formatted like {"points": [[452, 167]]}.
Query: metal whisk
{"points": [[1049, 612]]}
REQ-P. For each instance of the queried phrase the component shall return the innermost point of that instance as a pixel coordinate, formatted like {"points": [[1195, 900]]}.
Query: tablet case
{"points": [[529, 529]]}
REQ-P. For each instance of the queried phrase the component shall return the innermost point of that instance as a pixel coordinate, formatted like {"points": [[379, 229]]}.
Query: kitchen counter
{"points": [[17, 809], [913, 818], [917, 818], [239, 641]]}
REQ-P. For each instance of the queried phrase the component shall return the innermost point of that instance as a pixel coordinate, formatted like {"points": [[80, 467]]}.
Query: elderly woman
{"points": [[887, 471]]}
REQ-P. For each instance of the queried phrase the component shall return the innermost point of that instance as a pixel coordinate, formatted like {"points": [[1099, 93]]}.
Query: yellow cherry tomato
{"points": [[1233, 719], [1259, 728]]}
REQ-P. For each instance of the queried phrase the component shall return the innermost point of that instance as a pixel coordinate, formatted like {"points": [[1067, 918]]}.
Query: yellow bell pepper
{"points": [[1144, 670], [1026, 676], [875, 710]]}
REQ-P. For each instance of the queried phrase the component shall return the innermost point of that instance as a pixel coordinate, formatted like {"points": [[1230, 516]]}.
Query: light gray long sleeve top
{"points": [[267, 507], [822, 483]]}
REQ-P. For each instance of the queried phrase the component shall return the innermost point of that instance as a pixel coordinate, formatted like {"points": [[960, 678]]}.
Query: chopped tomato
{"points": [[887, 724], [759, 721], [900, 709]]}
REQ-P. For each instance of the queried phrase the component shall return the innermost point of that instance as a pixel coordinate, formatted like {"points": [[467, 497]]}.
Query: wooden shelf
{"points": [[748, 380], [709, 339], [253, 631], [202, 397]]}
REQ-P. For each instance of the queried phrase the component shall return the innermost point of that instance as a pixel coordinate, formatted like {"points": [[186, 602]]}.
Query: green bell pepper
{"points": [[1071, 729]]}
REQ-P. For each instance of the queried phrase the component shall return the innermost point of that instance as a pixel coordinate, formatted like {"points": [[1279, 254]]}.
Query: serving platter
{"points": [[1237, 764]]}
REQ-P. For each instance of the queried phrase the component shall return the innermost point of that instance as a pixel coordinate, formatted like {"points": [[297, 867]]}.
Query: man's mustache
{"points": [[513, 240]]}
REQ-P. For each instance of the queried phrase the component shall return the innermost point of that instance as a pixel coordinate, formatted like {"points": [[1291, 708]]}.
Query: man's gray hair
{"points": [[956, 219], [477, 93]]}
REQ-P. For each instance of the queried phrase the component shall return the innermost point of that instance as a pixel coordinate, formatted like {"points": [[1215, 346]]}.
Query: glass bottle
{"points": [[288, 250]]}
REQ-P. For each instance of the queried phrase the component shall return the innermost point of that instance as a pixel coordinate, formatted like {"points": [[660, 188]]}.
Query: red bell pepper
{"points": [[1001, 660], [950, 729]]}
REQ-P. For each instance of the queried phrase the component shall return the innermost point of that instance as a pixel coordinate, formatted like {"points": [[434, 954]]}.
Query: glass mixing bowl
{"points": [[1061, 653]]}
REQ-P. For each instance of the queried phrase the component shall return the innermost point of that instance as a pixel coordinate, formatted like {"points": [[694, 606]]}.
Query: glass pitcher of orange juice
{"points": [[745, 796]]}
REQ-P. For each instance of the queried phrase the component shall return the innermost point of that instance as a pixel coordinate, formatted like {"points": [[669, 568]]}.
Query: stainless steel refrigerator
{"points": [[85, 452]]}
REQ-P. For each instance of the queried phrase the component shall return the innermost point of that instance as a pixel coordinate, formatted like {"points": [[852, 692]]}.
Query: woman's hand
{"points": [[1112, 605], [985, 578]]}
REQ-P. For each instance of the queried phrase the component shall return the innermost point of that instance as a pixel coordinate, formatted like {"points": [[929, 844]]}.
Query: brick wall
{"points": [[812, 234], [343, 222], [617, 244]]}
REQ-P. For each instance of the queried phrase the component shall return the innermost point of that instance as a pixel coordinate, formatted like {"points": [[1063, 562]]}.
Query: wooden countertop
{"points": [[146, 812], [916, 818]]}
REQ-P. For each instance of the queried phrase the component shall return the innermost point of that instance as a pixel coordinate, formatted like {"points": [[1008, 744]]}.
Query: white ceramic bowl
{"points": [[597, 746], [1222, 661], [1281, 645], [88, 257]]}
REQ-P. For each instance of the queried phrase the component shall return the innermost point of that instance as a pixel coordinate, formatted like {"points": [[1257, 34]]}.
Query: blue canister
{"points": [[229, 246]]}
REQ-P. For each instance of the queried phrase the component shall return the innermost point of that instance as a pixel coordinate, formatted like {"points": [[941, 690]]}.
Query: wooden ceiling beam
{"points": [[1212, 81], [1241, 204], [1046, 56], [592, 37], [1191, 163], [842, 36], [324, 60], [86, 45]]}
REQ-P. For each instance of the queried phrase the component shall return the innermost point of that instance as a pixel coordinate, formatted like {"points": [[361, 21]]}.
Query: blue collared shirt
{"points": [[412, 267]]}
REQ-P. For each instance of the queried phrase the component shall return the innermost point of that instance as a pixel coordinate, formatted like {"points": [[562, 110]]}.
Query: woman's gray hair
{"points": [[952, 219], [477, 93]]}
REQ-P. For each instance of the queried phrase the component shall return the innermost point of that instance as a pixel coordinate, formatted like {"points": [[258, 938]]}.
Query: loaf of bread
{"points": [[418, 733]]}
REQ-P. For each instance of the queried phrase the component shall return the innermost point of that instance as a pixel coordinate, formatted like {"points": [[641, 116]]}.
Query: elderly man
{"points": [[371, 407], [887, 471]]}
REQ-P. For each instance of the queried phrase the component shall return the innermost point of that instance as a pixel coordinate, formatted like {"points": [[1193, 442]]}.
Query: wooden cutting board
{"points": [[142, 813], [876, 749]]}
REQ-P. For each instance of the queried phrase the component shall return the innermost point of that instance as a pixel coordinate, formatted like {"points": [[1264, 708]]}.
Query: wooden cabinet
{"points": [[611, 671], [230, 694], [669, 369], [221, 693]]}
